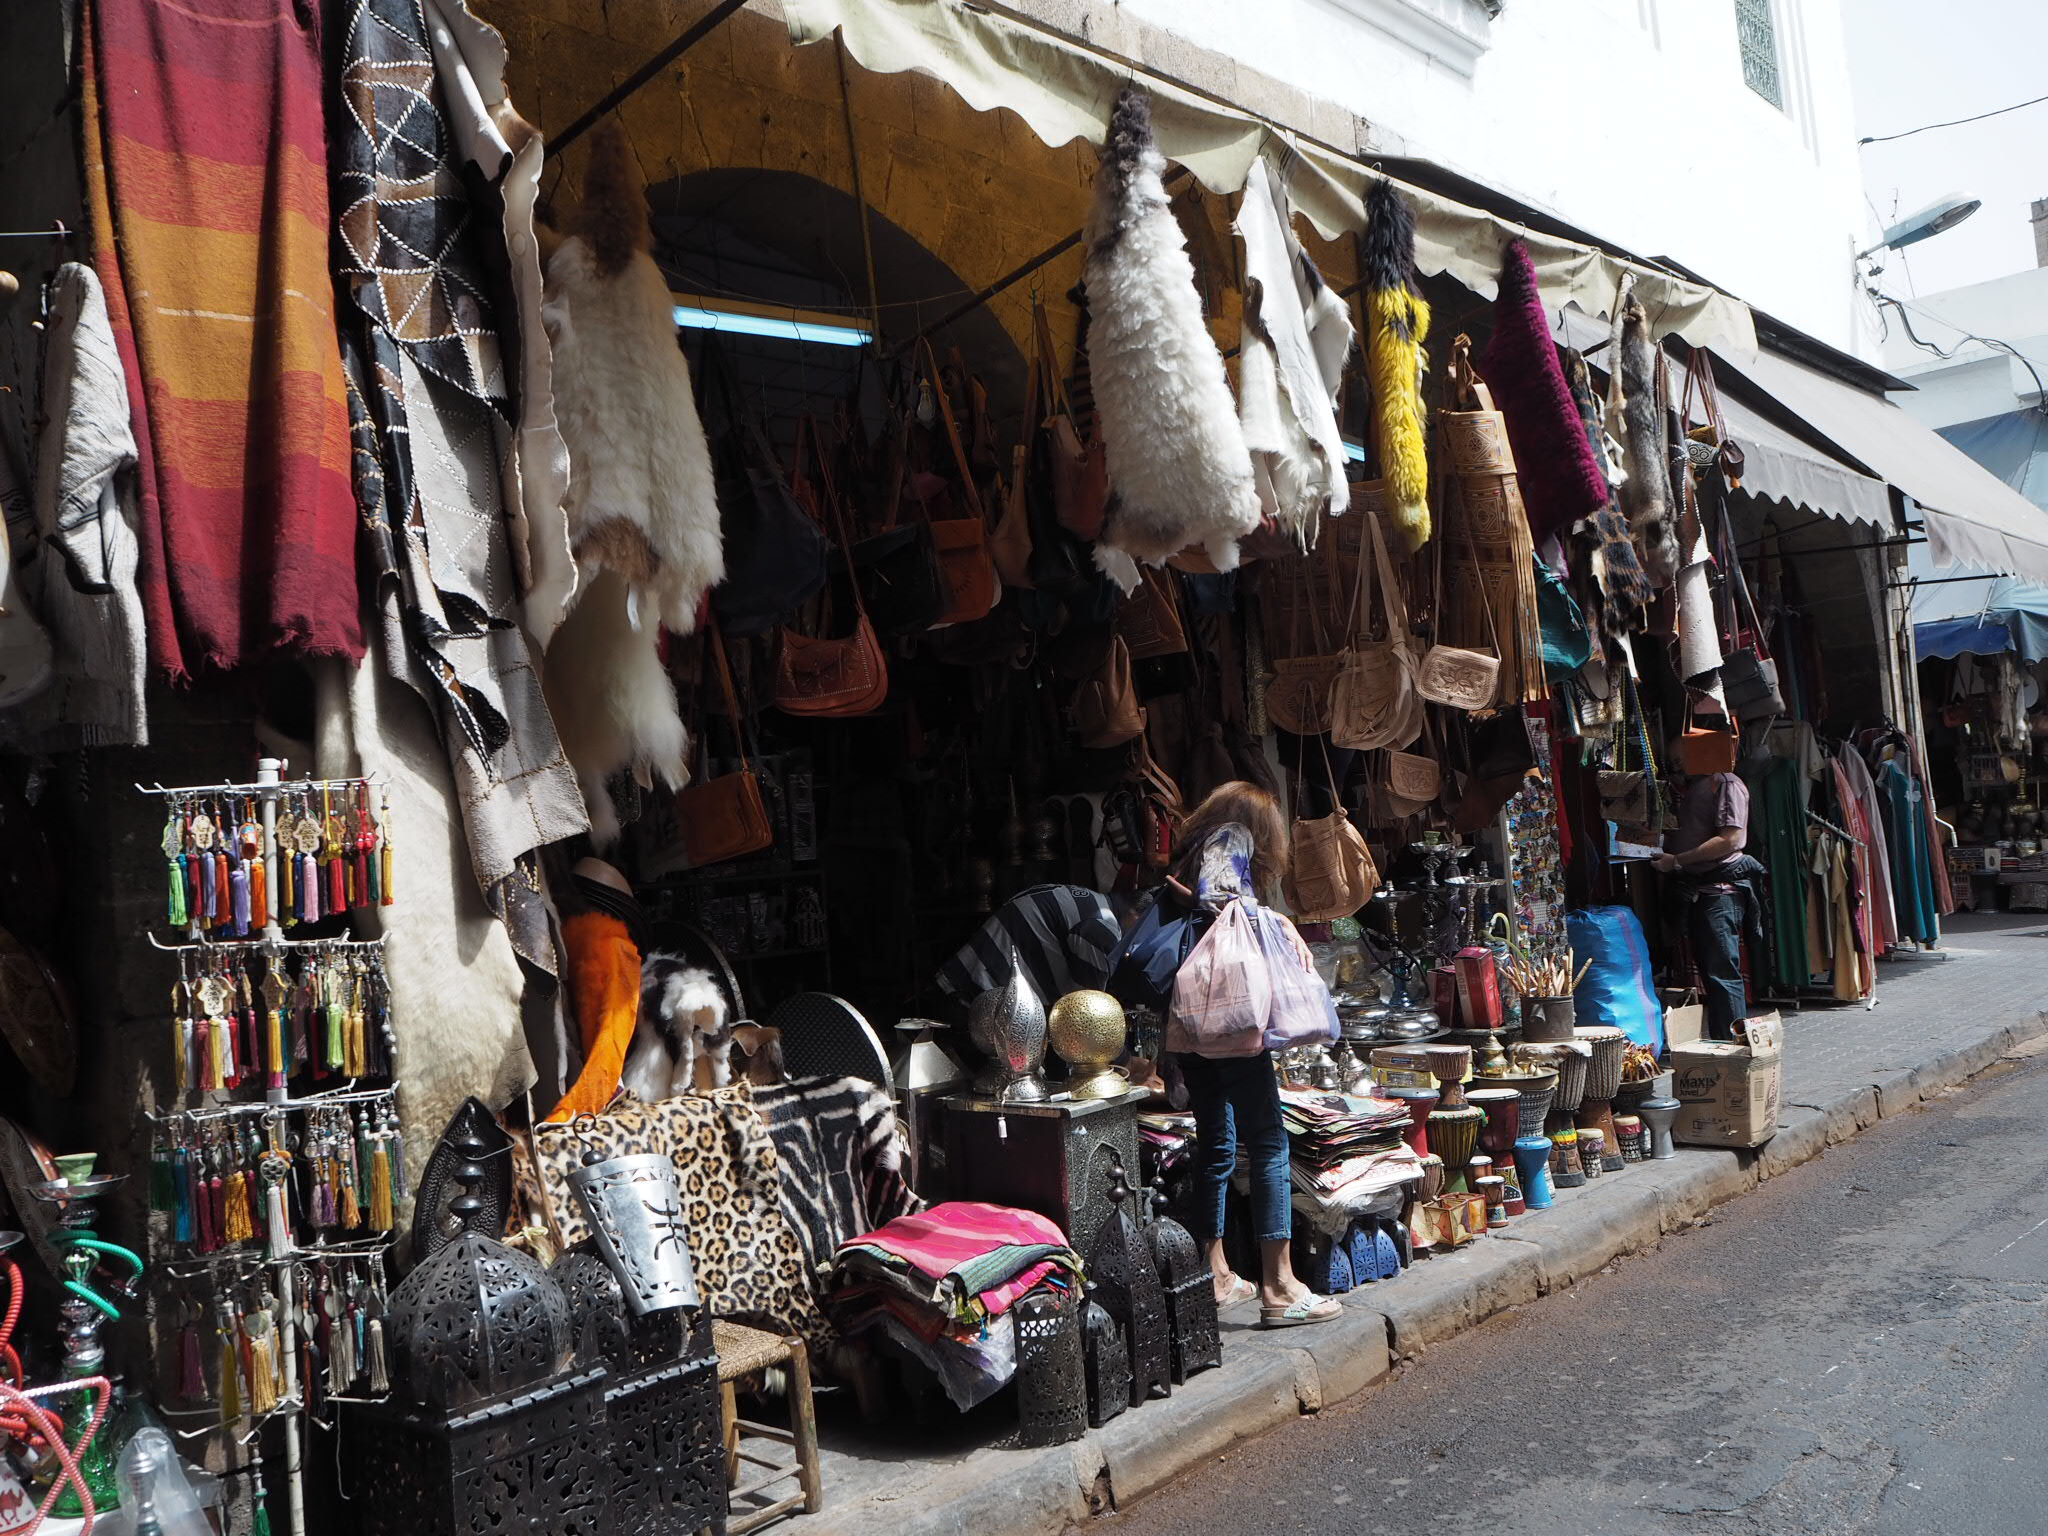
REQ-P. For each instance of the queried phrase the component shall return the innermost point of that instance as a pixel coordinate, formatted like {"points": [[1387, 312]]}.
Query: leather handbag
{"points": [[1630, 797], [1298, 693], [840, 677], [1706, 749], [1373, 703], [1010, 546], [1149, 619], [1749, 677], [1448, 674], [1078, 462], [1106, 711], [971, 587], [1330, 872], [724, 817]]}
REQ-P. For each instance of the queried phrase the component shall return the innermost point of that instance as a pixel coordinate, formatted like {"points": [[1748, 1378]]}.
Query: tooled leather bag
{"points": [[847, 675], [724, 817]]}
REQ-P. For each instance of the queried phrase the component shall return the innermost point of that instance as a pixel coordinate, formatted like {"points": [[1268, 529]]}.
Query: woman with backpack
{"points": [[1236, 846]]}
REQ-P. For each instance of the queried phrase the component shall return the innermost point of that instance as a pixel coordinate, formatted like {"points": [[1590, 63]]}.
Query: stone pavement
{"points": [[1938, 1022]]}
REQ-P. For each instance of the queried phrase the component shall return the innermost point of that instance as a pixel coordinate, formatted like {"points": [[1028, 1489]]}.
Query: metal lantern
{"points": [[1052, 1377], [1087, 1030], [661, 1401], [1127, 1285], [635, 1208], [1106, 1357], [527, 1451], [1196, 1342], [478, 1318], [1008, 1024]]}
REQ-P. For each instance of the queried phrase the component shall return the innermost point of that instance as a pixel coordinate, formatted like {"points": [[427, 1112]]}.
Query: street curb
{"points": [[1271, 1377]]}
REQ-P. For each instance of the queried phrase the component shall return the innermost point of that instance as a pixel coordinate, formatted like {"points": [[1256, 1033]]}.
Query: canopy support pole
{"points": [[702, 28]]}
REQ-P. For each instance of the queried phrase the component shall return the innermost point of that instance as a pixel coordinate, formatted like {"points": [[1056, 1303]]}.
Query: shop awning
{"points": [[1064, 90], [1946, 639], [1962, 619], [1973, 517], [1776, 465]]}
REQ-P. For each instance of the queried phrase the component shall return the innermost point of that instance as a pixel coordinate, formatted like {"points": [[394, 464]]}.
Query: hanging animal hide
{"points": [[1646, 492], [613, 703], [1178, 465], [1290, 360], [1397, 323], [641, 499], [1560, 478]]}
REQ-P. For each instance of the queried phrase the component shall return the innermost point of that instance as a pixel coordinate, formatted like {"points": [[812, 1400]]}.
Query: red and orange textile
{"points": [[206, 185]]}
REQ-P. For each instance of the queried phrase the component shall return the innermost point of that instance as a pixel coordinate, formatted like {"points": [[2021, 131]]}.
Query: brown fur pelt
{"points": [[1646, 492], [612, 217]]}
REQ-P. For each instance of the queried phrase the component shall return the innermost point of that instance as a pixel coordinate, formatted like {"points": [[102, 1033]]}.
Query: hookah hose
{"points": [[10, 1362], [51, 1430]]}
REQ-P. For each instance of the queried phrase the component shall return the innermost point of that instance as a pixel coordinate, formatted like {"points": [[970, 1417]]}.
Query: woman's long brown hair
{"points": [[1253, 808]]}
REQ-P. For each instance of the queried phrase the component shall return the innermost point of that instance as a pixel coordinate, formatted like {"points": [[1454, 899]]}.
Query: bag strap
{"points": [[836, 516], [945, 405], [1396, 605], [1056, 401], [732, 698]]}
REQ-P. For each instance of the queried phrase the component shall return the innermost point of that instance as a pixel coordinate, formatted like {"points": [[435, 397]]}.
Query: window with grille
{"points": [[1757, 31]]}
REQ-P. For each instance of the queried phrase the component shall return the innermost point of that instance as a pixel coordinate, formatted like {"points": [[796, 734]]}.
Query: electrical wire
{"points": [[1886, 138], [1906, 320]]}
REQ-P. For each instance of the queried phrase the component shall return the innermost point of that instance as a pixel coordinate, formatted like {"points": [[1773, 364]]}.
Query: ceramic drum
{"points": [[1610, 1048]]}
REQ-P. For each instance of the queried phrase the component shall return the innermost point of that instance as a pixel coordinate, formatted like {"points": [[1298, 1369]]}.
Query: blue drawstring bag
{"points": [[1617, 988], [1141, 975]]}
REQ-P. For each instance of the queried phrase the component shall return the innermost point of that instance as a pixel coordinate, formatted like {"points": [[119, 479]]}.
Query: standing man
{"points": [[1705, 851]]}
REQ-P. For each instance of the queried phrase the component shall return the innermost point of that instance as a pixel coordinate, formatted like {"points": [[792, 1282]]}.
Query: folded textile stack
{"points": [[1348, 1156], [1332, 1127], [1170, 1136], [940, 1285]]}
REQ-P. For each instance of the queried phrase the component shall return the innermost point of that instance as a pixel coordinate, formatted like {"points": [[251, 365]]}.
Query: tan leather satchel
{"points": [[1105, 711], [1373, 702], [1448, 674], [724, 817]]}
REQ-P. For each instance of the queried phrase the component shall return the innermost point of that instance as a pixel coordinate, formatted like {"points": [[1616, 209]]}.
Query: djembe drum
{"points": [[1454, 1137], [1566, 1172], [1603, 1082], [1418, 1102], [1569, 1062], [1503, 1107], [1448, 1064]]}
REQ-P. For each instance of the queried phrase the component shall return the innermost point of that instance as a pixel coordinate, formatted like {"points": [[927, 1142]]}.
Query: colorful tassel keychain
{"points": [[181, 1194], [260, 1329], [277, 1227], [287, 903], [241, 1213], [174, 861], [230, 1332], [337, 878], [163, 1189], [366, 849], [260, 1501], [191, 1363], [275, 1000], [384, 853], [199, 862], [335, 1020]]}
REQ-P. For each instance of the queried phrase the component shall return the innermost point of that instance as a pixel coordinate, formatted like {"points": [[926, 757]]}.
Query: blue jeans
{"points": [[1239, 1098], [1717, 946]]}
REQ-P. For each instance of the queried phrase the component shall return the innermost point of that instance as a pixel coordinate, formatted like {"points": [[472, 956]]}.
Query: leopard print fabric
{"points": [[749, 1266]]}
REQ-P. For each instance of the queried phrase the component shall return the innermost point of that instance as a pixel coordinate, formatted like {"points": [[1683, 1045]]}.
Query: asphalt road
{"points": [[1858, 1346]]}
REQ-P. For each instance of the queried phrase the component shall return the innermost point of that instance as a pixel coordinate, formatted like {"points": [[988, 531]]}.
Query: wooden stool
{"points": [[744, 1351]]}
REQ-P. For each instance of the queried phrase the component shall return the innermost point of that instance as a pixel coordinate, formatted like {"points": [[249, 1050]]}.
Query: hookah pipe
{"points": [[49, 1431]]}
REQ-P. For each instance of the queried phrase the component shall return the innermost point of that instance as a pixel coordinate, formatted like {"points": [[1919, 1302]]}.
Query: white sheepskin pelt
{"points": [[1178, 466], [613, 703], [641, 500]]}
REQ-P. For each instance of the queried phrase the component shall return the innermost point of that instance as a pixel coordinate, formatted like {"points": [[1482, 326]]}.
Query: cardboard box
{"points": [[1729, 1089]]}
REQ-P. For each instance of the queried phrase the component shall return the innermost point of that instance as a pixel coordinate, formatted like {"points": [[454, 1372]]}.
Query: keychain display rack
{"points": [[277, 1212]]}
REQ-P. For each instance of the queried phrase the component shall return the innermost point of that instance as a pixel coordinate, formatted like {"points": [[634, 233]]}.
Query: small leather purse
{"points": [[724, 817], [838, 676], [1106, 711]]}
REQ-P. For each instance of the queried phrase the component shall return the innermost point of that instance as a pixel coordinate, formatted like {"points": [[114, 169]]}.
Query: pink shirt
{"points": [[1705, 806]]}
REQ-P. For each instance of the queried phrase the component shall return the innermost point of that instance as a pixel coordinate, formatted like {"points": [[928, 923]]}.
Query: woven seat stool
{"points": [[744, 1351]]}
